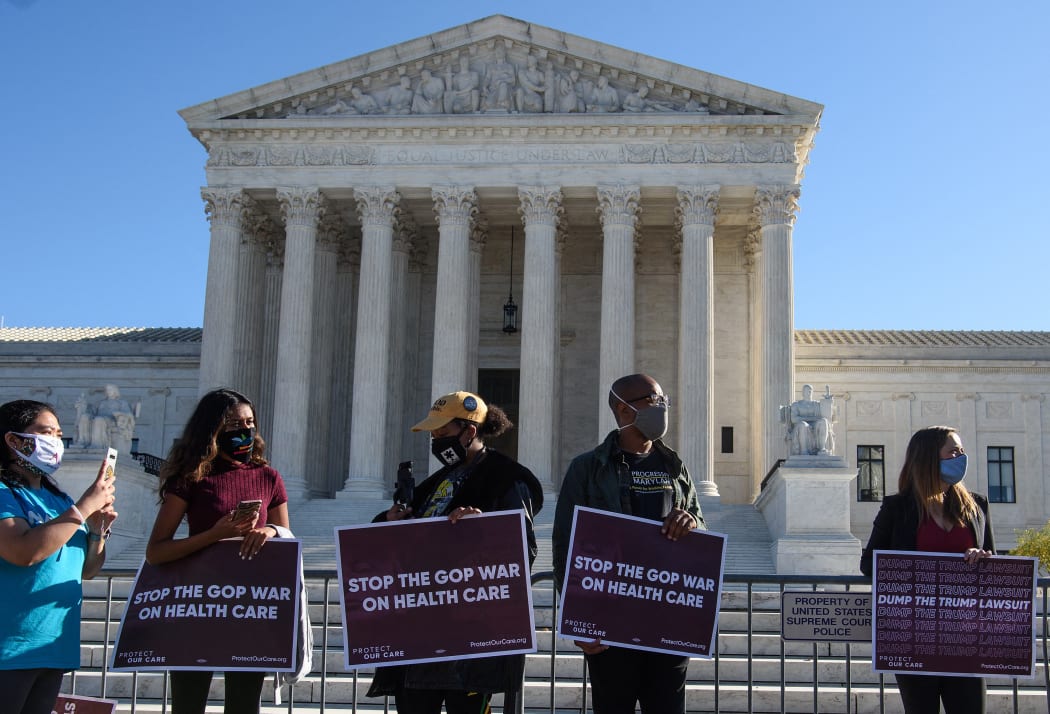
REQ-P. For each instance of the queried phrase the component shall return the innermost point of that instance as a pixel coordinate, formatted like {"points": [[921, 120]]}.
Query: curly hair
{"points": [[192, 456]]}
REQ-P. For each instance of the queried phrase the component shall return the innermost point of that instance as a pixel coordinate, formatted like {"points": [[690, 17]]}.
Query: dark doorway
{"points": [[500, 387]]}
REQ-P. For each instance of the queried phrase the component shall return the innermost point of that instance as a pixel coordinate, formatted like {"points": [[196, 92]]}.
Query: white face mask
{"points": [[46, 455]]}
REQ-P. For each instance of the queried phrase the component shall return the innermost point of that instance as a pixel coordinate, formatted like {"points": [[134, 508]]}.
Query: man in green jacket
{"points": [[634, 473]]}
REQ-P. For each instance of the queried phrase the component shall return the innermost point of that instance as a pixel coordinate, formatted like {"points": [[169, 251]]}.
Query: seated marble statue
{"points": [[111, 422], [463, 93], [399, 98], [604, 98], [809, 424], [532, 87], [499, 82], [361, 103], [430, 94]]}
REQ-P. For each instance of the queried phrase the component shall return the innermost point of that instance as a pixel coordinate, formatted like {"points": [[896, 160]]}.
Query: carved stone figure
{"points": [[809, 424], [604, 98], [399, 99], [111, 422], [361, 103], [463, 95], [567, 100], [532, 86], [639, 102], [499, 82], [430, 94]]}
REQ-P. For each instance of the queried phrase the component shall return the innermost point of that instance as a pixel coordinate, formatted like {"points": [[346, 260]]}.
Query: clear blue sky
{"points": [[924, 205]]}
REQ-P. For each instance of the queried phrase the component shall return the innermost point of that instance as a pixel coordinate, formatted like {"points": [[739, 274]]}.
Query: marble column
{"points": [[377, 208], [398, 393], [455, 207], [271, 321], [540, 209], [227, 209], [301, 210], [694, 407], [618, 210], [330, 234], [479, 234], [775, 207], [343, 365], [247, 347]]}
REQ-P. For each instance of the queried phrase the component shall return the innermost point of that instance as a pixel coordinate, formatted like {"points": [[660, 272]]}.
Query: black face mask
{"points": [[237, 444], [448, 450]]}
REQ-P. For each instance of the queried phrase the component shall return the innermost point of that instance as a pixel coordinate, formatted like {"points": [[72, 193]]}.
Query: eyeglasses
{"points": [[653, 400]]}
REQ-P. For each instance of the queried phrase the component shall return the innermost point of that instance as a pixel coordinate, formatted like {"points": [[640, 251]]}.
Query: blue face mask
{"points": [[953, 470]]}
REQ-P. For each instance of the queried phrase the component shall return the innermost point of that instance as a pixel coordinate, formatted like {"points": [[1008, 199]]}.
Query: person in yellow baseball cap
{"points": [[473, 479]]}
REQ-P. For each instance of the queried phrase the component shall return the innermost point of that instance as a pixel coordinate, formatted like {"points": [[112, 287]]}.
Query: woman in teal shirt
{"points": [[48, 544]]}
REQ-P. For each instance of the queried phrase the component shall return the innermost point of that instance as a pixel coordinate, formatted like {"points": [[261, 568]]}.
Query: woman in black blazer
{"points": [[933, 511]]}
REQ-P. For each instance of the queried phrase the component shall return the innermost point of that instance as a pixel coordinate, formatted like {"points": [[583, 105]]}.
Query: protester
{"points": [[48, 544], [473, 479], [933, 511], [217, 463], [632, 472]]}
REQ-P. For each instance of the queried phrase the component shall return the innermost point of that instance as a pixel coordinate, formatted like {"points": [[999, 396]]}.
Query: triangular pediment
{"points": [[498, 65]]}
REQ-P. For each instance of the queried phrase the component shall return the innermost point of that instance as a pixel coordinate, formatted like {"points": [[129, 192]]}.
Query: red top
{"points": [[218, 493], [931, 537]]}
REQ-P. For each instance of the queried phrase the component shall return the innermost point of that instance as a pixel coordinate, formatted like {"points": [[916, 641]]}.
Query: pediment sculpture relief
{"points": [[497, 83]]}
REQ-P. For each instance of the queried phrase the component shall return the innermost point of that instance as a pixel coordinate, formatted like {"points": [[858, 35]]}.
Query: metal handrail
{"points": [[749, 584]]}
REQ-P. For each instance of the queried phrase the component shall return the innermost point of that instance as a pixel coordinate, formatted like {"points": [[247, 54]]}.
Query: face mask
{"points": [[953, 470], [651, 422], [448, 450], [237, 444], [46, 456]]}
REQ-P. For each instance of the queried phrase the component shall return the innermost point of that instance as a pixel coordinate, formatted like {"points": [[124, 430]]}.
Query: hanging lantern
{"points": [[510, 310]]}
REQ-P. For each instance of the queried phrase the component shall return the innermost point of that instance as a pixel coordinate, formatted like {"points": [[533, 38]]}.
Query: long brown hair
{"points": [[921, 476], [192, 456]]}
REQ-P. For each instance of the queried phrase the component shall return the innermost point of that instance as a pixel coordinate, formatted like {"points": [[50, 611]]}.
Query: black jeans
{"points": [[189, 692], [29, 691], [620, 677], [922, 693], [428, 701]]}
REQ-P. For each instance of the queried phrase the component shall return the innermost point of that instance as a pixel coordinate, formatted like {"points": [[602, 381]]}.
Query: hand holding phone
{"points": [[405, 486], [108, 470], [247, 509]]}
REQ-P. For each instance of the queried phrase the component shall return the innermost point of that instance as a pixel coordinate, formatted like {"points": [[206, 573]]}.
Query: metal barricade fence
{"points": [[747, 589]]}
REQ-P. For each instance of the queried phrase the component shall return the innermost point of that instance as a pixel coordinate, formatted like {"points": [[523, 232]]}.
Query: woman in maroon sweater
{"points": [[218, 462]]}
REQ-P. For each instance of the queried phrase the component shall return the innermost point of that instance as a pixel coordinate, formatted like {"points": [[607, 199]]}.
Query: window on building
{"points": [[871, 473], [727, 439], [1001, 474]]}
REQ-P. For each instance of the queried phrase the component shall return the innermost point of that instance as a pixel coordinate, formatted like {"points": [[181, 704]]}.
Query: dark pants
{"points": [[621, 677], [428, 701], [189, 692], [29, 691], [922, 693]]}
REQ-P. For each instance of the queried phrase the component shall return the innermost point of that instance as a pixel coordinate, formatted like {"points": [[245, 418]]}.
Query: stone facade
{"points": [[361, 219]]}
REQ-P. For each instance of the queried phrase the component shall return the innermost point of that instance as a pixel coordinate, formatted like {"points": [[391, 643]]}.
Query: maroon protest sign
{"points": [[75, 704], [430, 590], [627, 584], [213, 610], [934, 613]]}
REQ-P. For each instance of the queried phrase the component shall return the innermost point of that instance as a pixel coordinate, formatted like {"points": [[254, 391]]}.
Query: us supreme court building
{"points": [[510, 209]]}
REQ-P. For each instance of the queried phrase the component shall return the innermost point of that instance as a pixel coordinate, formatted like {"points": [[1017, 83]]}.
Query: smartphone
{"points": [[246, 508], [404, 487], [109, 465]]}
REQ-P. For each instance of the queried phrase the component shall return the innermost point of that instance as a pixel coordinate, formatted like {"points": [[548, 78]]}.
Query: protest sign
{"points": [[813, 616], [212, 610], [627, 584], [428, 590], [934, 613], [75, 704]]}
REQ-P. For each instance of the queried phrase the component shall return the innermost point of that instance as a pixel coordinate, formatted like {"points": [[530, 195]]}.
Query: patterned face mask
{"points": [[46, 453], [237, 444]]}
